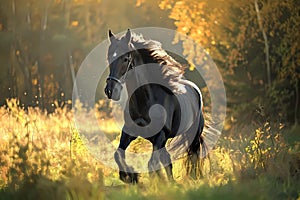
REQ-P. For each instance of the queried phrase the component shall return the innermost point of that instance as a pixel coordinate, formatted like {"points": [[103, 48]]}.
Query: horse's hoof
{"points": [[128, 177]]}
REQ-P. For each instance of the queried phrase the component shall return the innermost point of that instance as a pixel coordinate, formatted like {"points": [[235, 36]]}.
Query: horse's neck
{"points": [[143, 72]]}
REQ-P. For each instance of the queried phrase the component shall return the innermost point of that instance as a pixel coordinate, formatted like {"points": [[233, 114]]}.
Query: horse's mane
{"points": [[152, 52]]}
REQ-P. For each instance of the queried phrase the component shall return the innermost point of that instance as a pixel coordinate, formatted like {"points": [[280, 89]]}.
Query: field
{"points": [[43, 157], [249, 48]]}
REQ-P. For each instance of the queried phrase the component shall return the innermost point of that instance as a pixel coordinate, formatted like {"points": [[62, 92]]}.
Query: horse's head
{"points": [[120, 61]]}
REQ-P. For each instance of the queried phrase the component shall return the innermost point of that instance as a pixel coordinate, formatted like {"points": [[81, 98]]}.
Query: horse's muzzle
{"points": [[113, 91]]}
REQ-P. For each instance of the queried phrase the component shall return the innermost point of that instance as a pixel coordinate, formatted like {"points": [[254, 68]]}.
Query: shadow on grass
{"points": [[75, 188], [39, 187]]}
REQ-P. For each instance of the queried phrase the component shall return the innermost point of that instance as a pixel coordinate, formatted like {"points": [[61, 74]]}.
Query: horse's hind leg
{"points": [[126, 172], [165, 159], [160, 156]]}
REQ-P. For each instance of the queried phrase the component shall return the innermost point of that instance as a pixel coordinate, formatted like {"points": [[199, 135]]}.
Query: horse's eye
{"points": [[126, 59]]}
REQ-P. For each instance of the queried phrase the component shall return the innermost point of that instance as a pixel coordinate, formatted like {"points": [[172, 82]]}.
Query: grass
{"points": [[43, 157]]}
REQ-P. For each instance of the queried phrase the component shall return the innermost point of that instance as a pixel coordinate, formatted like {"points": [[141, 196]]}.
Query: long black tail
{"points": [[197, 152]]}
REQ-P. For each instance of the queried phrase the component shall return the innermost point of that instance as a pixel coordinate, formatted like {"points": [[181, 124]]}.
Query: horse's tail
{"points": [[197, 152], [206, 137]]}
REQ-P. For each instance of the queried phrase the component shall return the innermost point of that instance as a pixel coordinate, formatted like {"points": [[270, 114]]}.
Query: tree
{"points": [[255, 45], [47, 40]]}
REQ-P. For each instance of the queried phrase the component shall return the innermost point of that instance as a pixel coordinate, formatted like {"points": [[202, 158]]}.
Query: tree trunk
{"points": [[296, 103], [267, 59], [40, 63], [13, 88], [88, 23], [73, 76]]}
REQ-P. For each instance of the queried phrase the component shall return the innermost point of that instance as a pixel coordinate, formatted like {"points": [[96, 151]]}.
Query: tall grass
{"points": [[43, 157]]}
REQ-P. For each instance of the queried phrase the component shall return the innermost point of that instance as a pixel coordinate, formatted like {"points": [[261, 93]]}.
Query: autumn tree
{"points": [[255, 46], [43, 42]]}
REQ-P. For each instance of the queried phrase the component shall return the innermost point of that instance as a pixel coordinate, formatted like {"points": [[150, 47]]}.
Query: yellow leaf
{"points": [[192, 67], [74, 23]]}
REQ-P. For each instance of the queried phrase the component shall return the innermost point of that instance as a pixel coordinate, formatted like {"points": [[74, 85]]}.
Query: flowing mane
{"points": [[152, 52]]}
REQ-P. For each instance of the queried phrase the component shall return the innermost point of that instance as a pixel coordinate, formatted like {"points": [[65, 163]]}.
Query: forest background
{"points": [[255, 45]]}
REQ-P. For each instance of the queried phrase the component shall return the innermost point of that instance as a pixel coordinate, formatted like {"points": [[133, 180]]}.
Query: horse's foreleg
{"points": [[154, 162], [126, 172]]}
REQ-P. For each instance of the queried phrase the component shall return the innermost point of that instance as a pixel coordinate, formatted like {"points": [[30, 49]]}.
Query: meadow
{"points": [[254, 44], [43, 157]]}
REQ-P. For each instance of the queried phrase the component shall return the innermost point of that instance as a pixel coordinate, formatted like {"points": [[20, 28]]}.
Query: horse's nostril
{"points": [[108, 92]]}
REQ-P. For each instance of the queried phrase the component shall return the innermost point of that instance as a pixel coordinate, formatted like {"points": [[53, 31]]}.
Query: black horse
{"points": [[180, 98]]}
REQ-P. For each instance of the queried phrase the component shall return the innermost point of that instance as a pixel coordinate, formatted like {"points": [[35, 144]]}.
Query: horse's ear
{"points": [[128, 36], [111, 36]]}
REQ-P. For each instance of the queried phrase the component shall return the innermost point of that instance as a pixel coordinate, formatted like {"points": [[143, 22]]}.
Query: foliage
{"points": [[264, 147], [36, 149], [43, 157], [229, 31], [44, 42]]}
